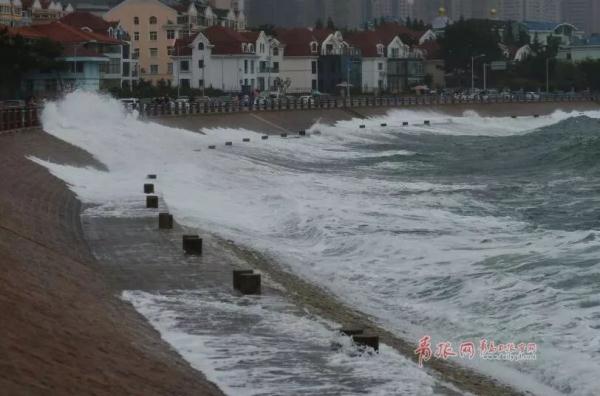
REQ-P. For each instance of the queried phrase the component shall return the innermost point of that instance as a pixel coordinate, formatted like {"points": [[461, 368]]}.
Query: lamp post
{"points": [[547, 75], [485, 66], [473, 70]]}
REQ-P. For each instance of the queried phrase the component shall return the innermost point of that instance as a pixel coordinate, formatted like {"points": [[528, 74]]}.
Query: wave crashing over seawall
{"points": [[471, 227]]}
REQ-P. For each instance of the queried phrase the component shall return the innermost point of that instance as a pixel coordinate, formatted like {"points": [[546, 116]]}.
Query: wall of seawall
{"points": [[63, 329]]}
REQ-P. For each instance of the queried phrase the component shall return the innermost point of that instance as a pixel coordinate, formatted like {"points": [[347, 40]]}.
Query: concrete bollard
{"points": [[249, 284], [228, 143], [245, 140], [165, 221], [426, 122], [349, 331], [151, 176], [366, 341], [192, 244], [264, 137], [152, 201], [514, 116], [283, 135], [384, 125], [148, 188], [536, 116], [405, 123], [362, 126], [302, 133], [236, 277], [212, 147]]}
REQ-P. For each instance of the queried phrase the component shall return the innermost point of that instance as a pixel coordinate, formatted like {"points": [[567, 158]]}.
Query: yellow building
{"points": [[148, 22]]}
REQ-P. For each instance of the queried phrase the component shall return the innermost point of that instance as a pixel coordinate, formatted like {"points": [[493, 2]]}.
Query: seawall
{"points": [[63, 330], [276, 122]]}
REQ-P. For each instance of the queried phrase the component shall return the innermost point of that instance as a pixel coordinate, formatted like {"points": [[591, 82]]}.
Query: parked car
{"points": [[532, 96], [307, 100]]}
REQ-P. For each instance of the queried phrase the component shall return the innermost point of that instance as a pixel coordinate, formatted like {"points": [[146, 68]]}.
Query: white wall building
{"points": [[300, 63]]}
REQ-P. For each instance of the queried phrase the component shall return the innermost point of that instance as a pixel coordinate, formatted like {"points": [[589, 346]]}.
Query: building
{"points": [[222, 58], [122, 69], [155, 26], [586, 49], [542, 31], [339, 63], [585, 14], [529, 10], [301, 59], [86, 54]]}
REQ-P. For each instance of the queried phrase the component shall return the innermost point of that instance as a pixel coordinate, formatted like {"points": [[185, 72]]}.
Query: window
{"points": [[152, 20], [136, 53], [380, 84], [201, 83], [314, 47], [314, 85], [314, 67], [379, 49], [170, 34], [275, 51], [395, 53], [262, 48], [200, 46], [171, 51], [170, 68], [250, 48], [153, 52], [275, 67], [184, 66], [184, 82], [244, 47], [153, 69], [246, 67], [379, 66], [201, 64], [76, 67], [136, 36], [153, 36], [136, 20], [252, 67]]}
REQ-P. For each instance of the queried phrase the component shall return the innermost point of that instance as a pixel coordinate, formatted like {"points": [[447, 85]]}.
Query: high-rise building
{"points": [[584, 14], [530, 10]]}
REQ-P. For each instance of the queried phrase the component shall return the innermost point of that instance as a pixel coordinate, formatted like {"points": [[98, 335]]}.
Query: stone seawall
{"points": [[63, 330]]}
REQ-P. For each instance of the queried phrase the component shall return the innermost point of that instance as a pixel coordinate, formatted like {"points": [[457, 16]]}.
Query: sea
{"points": [[470, 228]]}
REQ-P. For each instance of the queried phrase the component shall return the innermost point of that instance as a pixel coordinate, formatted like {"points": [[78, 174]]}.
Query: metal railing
{"points": [[18, 118], [211, 107]]}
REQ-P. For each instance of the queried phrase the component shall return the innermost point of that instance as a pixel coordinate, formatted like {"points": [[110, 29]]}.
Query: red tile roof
{"points": [[66, 34], [77, 51], [297, 41], [432, 49], [182, 45], [251, 36], [367, 42], [225, 41], [390, 30], [24, 31], [80, 19]]}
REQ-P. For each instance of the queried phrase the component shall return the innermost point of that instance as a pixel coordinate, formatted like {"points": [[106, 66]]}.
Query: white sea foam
{"points": [[399, 250]]}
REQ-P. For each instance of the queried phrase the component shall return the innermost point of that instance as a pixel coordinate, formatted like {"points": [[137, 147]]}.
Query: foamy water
{"points": [[472, 227]]}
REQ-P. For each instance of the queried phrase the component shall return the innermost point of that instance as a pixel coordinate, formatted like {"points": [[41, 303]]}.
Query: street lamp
{"points": [[547, 75], [473, 71]]}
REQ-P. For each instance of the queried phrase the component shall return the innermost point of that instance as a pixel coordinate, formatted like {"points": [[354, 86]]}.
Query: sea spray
{"points": [[449, 238]]}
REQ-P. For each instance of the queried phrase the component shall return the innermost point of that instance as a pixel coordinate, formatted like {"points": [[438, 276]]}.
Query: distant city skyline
{"points": [[585, 14]]}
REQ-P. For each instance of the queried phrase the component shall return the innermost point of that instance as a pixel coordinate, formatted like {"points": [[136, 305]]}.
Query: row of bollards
{"points": [[263, 137], [404, 123], [360, 339], [246, 281]]}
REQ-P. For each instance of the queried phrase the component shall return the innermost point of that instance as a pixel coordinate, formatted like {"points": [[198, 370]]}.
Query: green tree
{"points": [[21, 56], [330, 24], [467, 38]]}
